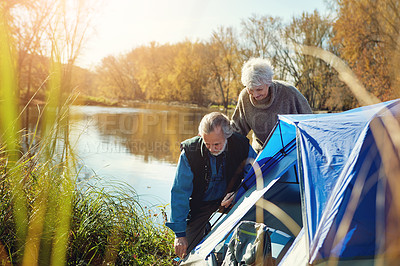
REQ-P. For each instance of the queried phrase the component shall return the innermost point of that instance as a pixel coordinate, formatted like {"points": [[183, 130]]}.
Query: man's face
{"points": [[259, 92], [215, 141]]}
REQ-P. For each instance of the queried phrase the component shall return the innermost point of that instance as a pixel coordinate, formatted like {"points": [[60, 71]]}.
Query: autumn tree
{"points": [[225, 63], [316, 80], [151, 66], [45, 31], [86, 81], [167, 72], [367, 33], [118, 78], [68, 32], [259, 33], [190, 72], [44, 26], [28, 21], [166, 56]]}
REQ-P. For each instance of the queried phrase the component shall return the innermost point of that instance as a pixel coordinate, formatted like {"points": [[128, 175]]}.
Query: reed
{"points": [[109, 225], [46, 217], [106, 224]]}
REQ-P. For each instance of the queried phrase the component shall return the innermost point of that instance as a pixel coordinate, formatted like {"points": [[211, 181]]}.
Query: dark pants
{"points": [[198, 224]]}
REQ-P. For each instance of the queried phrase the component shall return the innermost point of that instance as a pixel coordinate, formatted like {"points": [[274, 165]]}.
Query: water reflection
{"points": [[137, 146], [152, 134]]}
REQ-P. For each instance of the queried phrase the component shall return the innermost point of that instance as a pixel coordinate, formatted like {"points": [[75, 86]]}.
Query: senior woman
{"points": [[262, 100]]}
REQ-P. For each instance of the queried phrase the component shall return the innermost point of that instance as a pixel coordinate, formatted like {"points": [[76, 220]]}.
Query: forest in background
{"points": [[364, 34]]}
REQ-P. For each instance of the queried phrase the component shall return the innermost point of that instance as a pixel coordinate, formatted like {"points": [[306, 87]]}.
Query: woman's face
{"points": [[259, 92]]}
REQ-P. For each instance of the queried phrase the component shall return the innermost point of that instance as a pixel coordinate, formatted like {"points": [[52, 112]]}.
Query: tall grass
{"points": [[46, 218], [9, 134], [113, 227]]}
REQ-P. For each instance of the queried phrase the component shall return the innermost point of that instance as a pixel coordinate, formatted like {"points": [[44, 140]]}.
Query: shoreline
{"points": [[89, 101]]}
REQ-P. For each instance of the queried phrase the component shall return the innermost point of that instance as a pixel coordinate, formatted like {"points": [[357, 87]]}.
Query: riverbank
{"points": [[102, 226], [137, 103], [101, 101], [48, 216]]}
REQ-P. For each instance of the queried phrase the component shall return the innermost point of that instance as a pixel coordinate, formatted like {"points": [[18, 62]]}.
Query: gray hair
{"points": [[256, 72], [213, 120]]}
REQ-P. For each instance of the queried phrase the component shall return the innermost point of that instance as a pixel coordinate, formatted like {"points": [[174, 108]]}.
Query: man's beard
{"points": [[221, 151]]}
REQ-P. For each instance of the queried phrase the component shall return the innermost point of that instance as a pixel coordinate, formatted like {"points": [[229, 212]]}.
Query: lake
{"points": [[138, 145]]}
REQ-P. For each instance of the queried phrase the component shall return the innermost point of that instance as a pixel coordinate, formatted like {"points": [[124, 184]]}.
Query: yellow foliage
{"points": [[367, 34]]}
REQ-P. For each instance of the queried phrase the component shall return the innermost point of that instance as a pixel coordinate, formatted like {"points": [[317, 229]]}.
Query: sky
{"points": [[121, 25]]}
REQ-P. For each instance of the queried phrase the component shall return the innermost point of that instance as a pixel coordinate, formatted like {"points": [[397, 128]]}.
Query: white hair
{"points": [[213, 120], [256, 72]]}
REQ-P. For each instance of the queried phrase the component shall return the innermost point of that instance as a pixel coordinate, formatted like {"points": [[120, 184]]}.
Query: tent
{"points": [[329, 182]]}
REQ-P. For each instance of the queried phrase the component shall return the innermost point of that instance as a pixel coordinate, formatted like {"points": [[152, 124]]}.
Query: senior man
{"points": [[210, 168]]}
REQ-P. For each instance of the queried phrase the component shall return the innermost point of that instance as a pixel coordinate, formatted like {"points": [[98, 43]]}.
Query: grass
{"points": [[81, 224], [91, 100], [113, 227], [107, 225], [46, 218]]}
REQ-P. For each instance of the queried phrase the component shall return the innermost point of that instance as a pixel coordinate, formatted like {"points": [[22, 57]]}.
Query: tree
{"points": [[367, 33], [42, 27], [225, 63], [190, 71], [260, 32], [117, 75], [313, 77], [29, 21]]}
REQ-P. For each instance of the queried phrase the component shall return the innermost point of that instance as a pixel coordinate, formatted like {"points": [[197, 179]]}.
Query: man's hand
{"points": [[226, 202], [181, 246]]}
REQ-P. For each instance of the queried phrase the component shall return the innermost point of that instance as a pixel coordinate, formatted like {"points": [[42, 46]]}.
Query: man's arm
{"points": [[180, 193]]}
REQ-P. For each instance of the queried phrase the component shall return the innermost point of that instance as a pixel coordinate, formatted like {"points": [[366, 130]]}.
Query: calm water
{"points": [[138, 146]]}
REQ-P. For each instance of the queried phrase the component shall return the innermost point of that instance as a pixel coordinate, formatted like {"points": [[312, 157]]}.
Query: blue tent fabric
{"points": [[361, 236], [265, 164], [338, 151], [281, 142], [323, 162]]}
